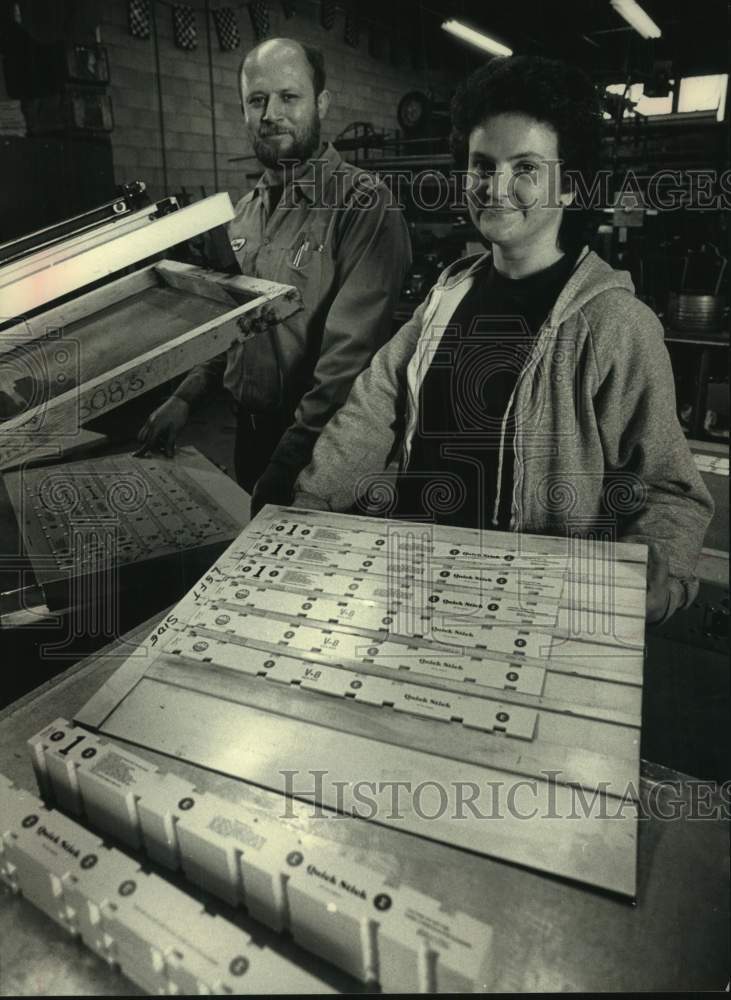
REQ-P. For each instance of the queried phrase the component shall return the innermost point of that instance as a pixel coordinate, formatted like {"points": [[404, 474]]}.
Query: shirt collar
{"points": [[305, 175]]}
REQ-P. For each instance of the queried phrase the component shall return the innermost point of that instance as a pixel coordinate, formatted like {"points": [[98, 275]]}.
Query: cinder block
{"points": [[133, 57], [176, 86], [199, 125], [148, 158]]}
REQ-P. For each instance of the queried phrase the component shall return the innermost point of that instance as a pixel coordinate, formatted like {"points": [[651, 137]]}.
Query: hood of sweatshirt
{"points": [[590, 277]]}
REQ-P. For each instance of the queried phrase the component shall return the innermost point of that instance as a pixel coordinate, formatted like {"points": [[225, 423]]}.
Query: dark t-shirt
{"points": [[452, 474]]}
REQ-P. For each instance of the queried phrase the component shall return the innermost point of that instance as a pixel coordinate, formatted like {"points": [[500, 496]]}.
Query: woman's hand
{"points": [[162, 427]]}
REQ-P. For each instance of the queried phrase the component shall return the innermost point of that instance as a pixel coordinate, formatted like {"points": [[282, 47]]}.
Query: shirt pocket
{"points": [[302, 257]]}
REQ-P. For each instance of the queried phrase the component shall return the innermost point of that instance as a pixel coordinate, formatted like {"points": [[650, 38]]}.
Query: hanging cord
{"points": [[160, 112], [213, 96]]}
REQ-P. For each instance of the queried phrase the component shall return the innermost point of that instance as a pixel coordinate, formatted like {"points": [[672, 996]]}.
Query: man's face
{"points": [[281, 111], [515, 185]]}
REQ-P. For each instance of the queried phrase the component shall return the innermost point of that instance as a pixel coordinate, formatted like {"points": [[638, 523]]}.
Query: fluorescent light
{"points": [[633, 14], [477, 38]]}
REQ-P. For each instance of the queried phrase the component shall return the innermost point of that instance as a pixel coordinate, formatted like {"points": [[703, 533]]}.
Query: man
{"points": [[531, 391], [315, 222]]}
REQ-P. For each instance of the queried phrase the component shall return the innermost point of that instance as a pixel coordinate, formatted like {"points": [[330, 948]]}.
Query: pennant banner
{"points": [[227, 28], [327, 13], [259, 14], [185, 30], [352, 25], [139, 18]]}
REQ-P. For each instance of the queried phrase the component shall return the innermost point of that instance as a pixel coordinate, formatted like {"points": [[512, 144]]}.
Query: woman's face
{"points": [[515, 195]]}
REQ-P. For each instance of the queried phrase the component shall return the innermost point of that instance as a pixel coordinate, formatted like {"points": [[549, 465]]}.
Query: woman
{"points": [[531, 391]]}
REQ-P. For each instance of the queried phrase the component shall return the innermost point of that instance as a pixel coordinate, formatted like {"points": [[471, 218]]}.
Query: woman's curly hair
{"points": [[552, 92]]}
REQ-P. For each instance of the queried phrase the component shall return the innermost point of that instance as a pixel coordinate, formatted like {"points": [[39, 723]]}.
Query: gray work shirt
{"points": [[337, 235]]}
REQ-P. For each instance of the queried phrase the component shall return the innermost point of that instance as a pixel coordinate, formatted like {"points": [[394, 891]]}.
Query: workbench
{"points": [[549, 935]]}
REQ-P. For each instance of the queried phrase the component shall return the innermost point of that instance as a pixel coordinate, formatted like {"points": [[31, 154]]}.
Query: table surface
{"points": [[549, 935]]}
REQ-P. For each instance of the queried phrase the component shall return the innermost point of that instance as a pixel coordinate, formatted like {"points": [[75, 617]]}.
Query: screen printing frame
{"points": [[245, 306]]}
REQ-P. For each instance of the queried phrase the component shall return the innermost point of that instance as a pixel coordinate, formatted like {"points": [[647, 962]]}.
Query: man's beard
{"points": [[301, 148]]}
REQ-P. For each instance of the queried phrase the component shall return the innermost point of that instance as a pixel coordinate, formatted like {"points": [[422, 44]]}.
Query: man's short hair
{"points": [[550, 91], [315, 60]]}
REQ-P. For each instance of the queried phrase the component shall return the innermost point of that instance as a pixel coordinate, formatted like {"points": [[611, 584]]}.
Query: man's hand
{"points": [[274, 485], [658, 583], [162, 427]]}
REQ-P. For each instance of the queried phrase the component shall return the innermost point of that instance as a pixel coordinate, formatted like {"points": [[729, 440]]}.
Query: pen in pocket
{"points": [[300, 253]]}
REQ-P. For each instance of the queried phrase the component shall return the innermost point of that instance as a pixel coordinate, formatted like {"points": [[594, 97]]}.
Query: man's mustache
{"points": [[265, 132]]}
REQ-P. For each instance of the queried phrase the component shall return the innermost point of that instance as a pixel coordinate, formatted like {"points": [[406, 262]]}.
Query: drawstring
{"points": [[543, 332], [501, 455]]}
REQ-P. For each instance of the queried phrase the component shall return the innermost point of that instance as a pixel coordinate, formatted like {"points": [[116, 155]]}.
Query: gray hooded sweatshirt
{"points": [[598, 448]]}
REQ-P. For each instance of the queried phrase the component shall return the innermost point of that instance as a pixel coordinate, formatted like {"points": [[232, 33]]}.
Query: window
{"points": [[644, 105], [703, 93], [695, 93]]}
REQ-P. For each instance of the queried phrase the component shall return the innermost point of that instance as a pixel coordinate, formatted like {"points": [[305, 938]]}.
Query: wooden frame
{"points": [[102, 317]]}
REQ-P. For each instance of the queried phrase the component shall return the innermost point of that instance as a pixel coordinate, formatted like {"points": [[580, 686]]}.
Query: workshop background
{"points": [[96, 95]]}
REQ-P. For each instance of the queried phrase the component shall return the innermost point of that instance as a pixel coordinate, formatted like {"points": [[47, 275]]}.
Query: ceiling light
{"points": [[633, 14], [477, 38]]}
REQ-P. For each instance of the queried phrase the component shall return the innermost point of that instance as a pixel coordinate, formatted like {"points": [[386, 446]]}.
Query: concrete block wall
{"points": [[363, 88]]}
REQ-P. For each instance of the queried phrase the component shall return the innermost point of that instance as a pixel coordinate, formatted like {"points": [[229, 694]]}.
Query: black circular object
{"points": [[58, 735], [88, 861], [382, 901], [502, 717], [356, 684], [88, 753], [268, 663], [295, 858], [493, 607], [512, 676], [414, 111], [238, 965], [186, 803], [127, 887], [520, 643], [29, 821]]}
